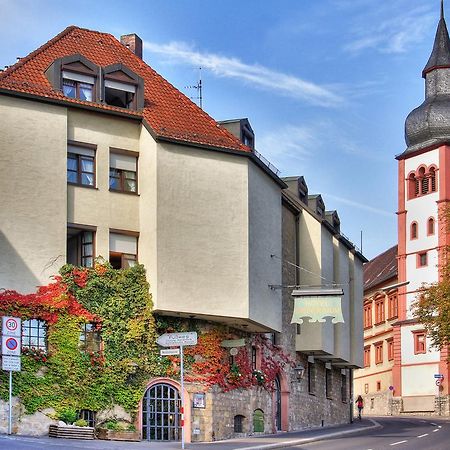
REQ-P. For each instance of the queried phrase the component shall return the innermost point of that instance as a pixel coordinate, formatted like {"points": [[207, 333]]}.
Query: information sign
{"points": [[11, 363], [10, 346], [438, 375], [169, 351], [177, 339]]}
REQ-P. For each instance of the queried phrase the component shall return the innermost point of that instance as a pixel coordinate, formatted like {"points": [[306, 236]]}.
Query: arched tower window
{"points": [[414, 231], [412, 186], [423, 181], [432, 173], [430, 226]]}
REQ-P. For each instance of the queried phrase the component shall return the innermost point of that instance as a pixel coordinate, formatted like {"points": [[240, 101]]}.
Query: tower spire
{"points": [[442, 9]]}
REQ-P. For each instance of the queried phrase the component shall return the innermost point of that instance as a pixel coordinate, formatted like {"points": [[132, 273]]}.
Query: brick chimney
{"points": [[133, 42]]}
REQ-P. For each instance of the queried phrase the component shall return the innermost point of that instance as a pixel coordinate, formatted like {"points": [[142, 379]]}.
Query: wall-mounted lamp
{"points": [[299, 371]]}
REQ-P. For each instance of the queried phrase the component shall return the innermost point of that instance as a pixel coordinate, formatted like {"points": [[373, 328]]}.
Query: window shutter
{"points": [[122, 162], [122, 243], [81, 150], [78, 77]]}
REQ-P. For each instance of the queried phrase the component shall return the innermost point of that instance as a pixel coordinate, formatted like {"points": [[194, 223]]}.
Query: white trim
{"points": [[78, 77], [120, 86]]}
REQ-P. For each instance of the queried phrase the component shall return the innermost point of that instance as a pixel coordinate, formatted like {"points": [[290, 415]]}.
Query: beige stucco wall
{"points": [[33, 192], [356, 312]]}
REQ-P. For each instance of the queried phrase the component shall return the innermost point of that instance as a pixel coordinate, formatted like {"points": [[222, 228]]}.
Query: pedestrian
{"points": [[360, 405]]}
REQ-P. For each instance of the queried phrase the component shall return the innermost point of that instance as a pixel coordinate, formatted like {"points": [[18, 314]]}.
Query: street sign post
{"points": [[11, 350], [178, 340], [438, 375]]}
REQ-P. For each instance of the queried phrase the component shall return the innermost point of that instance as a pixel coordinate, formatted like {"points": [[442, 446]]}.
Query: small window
{"points": [[392, 306], [123, 173], [420, 342], [311, 378], [120, 94], [88, 416], [378, 385], [90, 338], [422, 259], [81, 165], [328, 381], [414, 232], [379, 311], [122, 250], [413, 186], [390, 346], [368, 315], [430, 226], [378, 353], [78, 86], [239, 423], [34, 334], [366, 388], [254, 365], [367, 356], [432, 173]]}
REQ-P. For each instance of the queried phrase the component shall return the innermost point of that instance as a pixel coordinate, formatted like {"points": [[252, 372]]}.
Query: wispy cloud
{"points": [[394, 33], [254, 74], [362, 206]]}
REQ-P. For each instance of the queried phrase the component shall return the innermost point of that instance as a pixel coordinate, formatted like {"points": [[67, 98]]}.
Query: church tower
{"points": [[423, 193]]}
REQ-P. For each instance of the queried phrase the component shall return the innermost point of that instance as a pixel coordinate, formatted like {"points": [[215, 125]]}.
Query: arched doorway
{"points": [[161, 415], [277, 404]]}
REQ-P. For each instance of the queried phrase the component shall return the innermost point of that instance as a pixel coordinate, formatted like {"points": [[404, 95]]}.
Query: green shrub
{"points": [[68, 415], [81, 423], [112, 425]]}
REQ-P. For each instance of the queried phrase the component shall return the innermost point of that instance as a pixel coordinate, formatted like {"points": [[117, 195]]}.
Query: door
{"points": [[278, 403], [161, 418]]}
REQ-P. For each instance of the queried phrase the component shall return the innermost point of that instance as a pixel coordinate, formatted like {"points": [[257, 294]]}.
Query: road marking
{"points": [[439, 426], [434, 424], [422, 435], [437, 429], [399, 442]]}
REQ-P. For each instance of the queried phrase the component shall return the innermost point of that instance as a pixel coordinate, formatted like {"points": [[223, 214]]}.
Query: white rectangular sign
{"points": [[11, 326], [10, 345], [169, 351], [11, 363], [177, 339]]}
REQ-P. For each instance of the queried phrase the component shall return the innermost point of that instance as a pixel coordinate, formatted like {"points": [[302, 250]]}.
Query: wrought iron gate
{"points": [[161, 418]]}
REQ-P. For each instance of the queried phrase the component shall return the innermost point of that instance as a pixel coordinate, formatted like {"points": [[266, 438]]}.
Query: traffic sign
{"points": [[438, 381], [438, 375], [11, 326], [11, 363], [169, 351], [10, 346], [177, 339]]}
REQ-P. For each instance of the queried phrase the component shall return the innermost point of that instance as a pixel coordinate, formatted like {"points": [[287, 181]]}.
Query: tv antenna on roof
{"points": [[198, 87]]}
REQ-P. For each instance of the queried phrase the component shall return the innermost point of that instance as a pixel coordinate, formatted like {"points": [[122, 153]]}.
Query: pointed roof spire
{"points": [[440, 56]]}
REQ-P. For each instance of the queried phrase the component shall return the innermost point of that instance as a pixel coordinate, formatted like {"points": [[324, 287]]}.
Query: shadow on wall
{"points": [[14, 272]]}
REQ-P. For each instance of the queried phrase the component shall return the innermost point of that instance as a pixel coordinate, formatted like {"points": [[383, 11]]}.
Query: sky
{"points": [[325, 84]]}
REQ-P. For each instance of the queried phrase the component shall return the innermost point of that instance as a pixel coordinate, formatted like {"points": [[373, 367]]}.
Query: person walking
{"points": [[360, 405]]}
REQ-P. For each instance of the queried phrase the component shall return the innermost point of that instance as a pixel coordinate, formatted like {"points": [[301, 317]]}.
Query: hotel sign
{"points": [[317, 305]]}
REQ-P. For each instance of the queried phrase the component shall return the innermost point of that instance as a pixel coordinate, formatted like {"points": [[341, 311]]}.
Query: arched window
{"points": [[432, 173], [413, 186], [414, 231], [430, 226], [239, 423], [423, 181]]}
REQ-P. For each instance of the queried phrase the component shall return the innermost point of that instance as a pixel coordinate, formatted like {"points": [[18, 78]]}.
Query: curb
{"points": [[291, 443]]}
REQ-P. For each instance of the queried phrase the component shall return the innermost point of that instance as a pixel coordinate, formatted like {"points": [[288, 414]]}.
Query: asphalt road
{"points": [[395, 434]]}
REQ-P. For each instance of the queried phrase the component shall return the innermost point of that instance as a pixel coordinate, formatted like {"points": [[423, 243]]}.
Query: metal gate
{"points": [[161, 418]]}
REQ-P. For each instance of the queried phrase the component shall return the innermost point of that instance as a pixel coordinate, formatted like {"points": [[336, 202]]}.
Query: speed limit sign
{"points": [[11, 326]]}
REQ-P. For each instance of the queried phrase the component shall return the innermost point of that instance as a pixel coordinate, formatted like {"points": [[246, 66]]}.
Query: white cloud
{"points": [[363, 206], [394, 33], [254, 74]]}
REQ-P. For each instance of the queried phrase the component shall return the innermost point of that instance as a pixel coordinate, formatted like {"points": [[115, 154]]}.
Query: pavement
{"points": [[273, 441]]}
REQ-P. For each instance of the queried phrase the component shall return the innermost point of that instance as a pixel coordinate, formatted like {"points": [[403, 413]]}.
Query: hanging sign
{"points": [[317, 305]]}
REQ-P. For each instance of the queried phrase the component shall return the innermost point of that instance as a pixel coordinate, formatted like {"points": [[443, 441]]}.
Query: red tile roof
{"points": [[168, 112], [381, 268]]}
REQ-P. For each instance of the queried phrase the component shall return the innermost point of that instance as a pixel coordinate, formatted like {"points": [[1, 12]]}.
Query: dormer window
{"points": [[78, 86], [120, 94]]}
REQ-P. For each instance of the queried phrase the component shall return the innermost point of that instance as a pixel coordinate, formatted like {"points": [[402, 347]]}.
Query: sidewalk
{"points": [[280, 440]]}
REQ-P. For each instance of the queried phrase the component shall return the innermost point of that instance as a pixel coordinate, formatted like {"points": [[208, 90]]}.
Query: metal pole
{"points": [[182, 396], [10, 403]]}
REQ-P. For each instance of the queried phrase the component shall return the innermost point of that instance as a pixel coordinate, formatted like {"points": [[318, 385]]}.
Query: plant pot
{"points": [[118, 435]]}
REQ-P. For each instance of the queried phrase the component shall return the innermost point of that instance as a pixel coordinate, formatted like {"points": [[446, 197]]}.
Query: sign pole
{"points": [[182, 396], [10, 403]]}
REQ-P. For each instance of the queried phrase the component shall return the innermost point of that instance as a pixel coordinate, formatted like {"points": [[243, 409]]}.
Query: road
{"points": [[396, 433]]}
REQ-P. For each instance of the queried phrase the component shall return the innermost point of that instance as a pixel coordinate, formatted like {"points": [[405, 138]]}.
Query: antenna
{"points": [[199, 88]]}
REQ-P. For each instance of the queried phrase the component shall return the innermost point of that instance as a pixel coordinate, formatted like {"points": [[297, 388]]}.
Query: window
{"points": [[122, 250], [254, 358], [392, 306], [120, 94], [378, 387], [80, 247], [368, 315], [311, 378], [343, 388], [379, 311], [423, 181], [77, 85], [90, 339], [422, 259], [367, 356], [328, 381], [432, 172], [238, 423], [430, 226], [88, 416], [390, 347], [414, 233], [123, 172], [378, 352], [413, 186], [34, 333], [420, 342], [81, 165]]}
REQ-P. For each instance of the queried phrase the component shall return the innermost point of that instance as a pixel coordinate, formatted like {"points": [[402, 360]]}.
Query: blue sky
{"points": [[326, 84]]}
